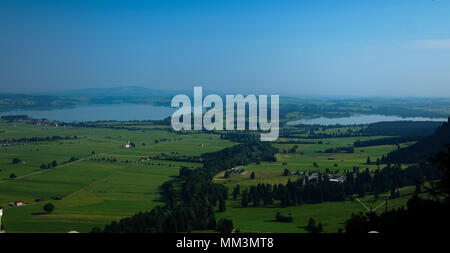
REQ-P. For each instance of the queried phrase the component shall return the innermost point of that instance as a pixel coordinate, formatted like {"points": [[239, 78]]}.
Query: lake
{"points": [[126, 112], [359, 119], [122, 112]]}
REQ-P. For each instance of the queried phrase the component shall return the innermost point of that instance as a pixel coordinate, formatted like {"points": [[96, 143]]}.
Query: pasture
{"points": [[107, 182], [94, 192], [331, 214]]}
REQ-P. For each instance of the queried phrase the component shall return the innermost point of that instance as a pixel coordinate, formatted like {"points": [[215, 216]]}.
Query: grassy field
{"points": [[107, 182], [331, 214], [304, 159], [94, 192]]}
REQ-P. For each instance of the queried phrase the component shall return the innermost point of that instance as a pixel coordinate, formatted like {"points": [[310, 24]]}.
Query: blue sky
{"points": [[366, 48]]}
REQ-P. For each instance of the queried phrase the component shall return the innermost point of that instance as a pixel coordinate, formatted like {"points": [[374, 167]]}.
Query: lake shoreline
{"points": [[359, 119]]}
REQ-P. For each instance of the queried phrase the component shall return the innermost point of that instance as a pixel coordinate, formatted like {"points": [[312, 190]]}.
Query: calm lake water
{"points": [[125, 112], [122, 112], [359, 119]]}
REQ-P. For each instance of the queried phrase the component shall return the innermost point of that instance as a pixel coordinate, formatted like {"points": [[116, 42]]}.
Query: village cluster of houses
{"points": [[332, 178], [44, 122]]}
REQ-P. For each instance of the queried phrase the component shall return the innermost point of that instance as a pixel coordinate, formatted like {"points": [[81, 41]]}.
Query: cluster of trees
{"points": [[410, 130], [192, 206], [401, 128], [225, 226], [293, 193], [241, 154], [283, 218], [54, 164], [292, 150], [182, 158], [166, 220], [107, 159], [388, 178], [38, 139], [49, 207], [319, 132], [16, 160], [165, 122], [419, 216], [313, 226], [321, 189], [239, 136], [339, 150], [386, 141]]}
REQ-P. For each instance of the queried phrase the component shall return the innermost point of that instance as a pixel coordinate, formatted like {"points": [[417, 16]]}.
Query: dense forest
{"points": [[423, 149], [415, 130], [321, 189], [402, 128], [386, 141]]}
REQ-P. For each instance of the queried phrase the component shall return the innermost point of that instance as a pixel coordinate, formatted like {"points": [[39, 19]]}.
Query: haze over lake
{"points": [[121, 112]]}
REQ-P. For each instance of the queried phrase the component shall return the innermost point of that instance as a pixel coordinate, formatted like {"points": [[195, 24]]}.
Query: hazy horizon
{"points": [[188, 91], [298, 48]]}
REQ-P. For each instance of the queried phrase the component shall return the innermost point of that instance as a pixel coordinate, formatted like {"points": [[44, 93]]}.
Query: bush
{"points": [[49, 207], [225, 226], [282, 218], [312, 227]]}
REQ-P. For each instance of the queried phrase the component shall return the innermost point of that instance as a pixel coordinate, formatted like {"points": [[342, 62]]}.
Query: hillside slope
{"points": [[423, 149]]}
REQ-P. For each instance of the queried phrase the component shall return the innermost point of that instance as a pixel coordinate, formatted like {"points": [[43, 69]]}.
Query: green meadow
{"points": [[332, 214], [106, 182], [94, 191]]}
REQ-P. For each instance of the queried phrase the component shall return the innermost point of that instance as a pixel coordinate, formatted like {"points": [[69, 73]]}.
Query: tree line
{"points": [[321, 189], [420, 216], [38, 139]]}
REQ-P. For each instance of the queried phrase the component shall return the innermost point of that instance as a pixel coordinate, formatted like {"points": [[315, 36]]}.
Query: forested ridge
{"points": [[423, 149]]}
